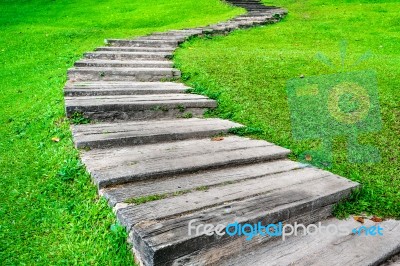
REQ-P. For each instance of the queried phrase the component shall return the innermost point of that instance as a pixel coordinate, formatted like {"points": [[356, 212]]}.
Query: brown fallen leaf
{"points": [[359, 219], [308, 157], [217, 138], [376, 219], [55, 139]]}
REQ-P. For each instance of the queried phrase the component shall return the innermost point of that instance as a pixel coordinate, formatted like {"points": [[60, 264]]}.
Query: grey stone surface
{"points": [[107, 135], [131, 113], [139, 100], [328, 249], [137, 107], [302, 179], [123, 63], [121, 165], [122, 73], [174, 37], [187, 32], [136, 49], [202, 179], [122, 55], [142, 43], [162, 241], [392, 261], [74, 89], [123, 84]]}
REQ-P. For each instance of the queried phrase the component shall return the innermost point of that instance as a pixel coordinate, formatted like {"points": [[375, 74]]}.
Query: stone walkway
{"points": [[161, 165]]}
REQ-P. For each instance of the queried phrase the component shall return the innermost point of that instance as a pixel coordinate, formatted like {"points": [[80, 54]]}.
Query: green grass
{"points": [[50, 212], [247, 72], [149, 198]]}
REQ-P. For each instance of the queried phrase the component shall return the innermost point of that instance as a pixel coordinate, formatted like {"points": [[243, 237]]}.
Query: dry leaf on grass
{"points": [[55, 139]]}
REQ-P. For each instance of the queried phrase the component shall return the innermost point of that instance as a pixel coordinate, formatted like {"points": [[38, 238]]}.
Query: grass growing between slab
{"points": [[155, 197], [247, 72], [50, 212]]}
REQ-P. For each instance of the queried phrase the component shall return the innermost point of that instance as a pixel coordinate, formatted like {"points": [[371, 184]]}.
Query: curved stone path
{"points": [[161, 165]]}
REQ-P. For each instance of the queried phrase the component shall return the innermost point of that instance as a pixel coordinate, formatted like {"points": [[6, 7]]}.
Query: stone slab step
{"points": [[224, 27], [138, 107], [244, 1], [120, 84], [254, 7], [327, 248], [118, 55], [123, 63], [142, 43], [159, 229], [122, 74], [105, 135], [264, 13], [171, 37], [136, 49], [254, 18], [223, 195], [102, 88], [184, 32], [250, 5], [122, 165], [200, 180], [241, 23]]}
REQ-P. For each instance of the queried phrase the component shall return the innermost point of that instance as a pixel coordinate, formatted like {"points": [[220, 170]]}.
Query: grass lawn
{"points": [[248, 70], [50, 212]]}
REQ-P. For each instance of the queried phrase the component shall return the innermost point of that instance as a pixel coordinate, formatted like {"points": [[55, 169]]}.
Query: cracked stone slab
{"points": [[328, 249], [121, 165], [106, 135]]}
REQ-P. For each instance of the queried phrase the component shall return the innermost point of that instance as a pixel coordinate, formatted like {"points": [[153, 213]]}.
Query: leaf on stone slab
{"points": [[359, 219], [376, 219], [217, 138]]}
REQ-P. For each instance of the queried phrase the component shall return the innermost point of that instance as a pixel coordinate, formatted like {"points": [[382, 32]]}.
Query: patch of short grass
{"points": [[50, 211], [247, 73], [155, 197], [79, 119], [144, 199]]}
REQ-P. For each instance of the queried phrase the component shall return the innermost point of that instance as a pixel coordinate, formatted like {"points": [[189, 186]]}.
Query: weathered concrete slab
{"points": [[123, 84], [327, 248], [163, 241], [123, 63], [121, 165], [74, 89], [137, 102], [122, 74], [138, 107], [107, 135], [142, 43], [136, 49], [202, 180], [118, 55], [197, 200]]}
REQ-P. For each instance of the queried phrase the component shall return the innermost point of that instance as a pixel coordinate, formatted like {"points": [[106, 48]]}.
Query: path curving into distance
{"points": [[160, 166]]}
